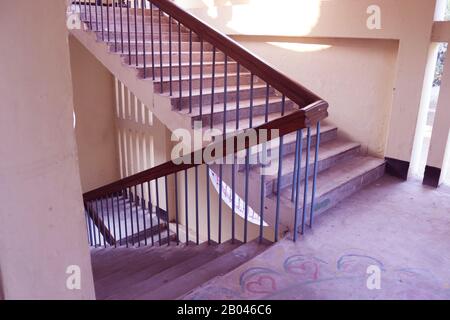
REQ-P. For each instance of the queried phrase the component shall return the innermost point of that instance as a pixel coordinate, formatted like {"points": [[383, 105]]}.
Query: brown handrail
{"points": [[297, 120], [290, 88]]}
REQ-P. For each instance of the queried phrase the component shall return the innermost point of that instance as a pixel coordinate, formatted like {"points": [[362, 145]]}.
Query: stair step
{"points": [[219, 67], [259, 91], [125, 271], [140, 35], [339, 182], [185, 57], [327, 133], [217, 267], [258, 108], [147, 281], [330, 153], [206, 81], [185, 45]]}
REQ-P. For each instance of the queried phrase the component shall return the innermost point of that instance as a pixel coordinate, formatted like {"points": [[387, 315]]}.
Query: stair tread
{"points": [[338, 175], [127, 272], [326, 150], [231, 105], [216, 267], [149, 281]]}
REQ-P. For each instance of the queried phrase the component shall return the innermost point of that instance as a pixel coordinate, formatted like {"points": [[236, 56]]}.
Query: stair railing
{"points": [[162, 40]]}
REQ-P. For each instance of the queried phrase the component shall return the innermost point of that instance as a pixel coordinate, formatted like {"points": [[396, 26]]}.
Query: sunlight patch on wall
{"points": [[285, 17], [300, 47]]}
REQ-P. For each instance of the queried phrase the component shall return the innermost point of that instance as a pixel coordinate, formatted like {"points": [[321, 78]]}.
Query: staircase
{"points": [[189, 72], [163, 273]]}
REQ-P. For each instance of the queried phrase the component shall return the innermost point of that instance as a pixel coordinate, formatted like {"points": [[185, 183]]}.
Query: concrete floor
{"points": [[401, 227]]}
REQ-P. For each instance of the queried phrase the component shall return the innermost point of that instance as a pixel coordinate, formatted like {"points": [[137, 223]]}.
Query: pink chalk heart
{"points": [[307, 269], [264, 284]]}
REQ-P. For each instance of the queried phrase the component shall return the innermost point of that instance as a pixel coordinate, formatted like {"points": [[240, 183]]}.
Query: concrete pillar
{"points": [[42, 223]]}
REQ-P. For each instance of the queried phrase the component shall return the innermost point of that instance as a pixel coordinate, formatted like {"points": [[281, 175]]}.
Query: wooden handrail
{"points": [[290, 88], [297, 120]]}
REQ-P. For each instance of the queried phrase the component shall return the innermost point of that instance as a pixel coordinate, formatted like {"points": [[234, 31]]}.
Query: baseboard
{"points": [[397, 168], [432, 176]]}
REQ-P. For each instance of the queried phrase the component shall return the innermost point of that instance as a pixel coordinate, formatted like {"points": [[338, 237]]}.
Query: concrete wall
{"points": [[407, 21], [42, 224], [94, 103]]}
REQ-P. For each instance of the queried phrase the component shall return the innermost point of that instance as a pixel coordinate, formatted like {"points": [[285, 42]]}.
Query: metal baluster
{"points": [[92, 223], [107, 18], [136, 34], [124, 192], [266, 116], [150, 209], [305, 191], [252, 80], [136, 206], [115, 25], [280, 171], [297, 177], [80, 6], [142, 202], [247, 169], [316, 169], [233, 205], [121, 28], [262, 194], [298, 150], [176, 208], [201, 80], [152, 41], [143, 39], [238, 86], [170, 56], [107, 214], [118, 219], [197, 231], [220, 202], [179, 64], [102, 21], [212, 87], [90, 15], [160, 49], [208, 204], [131, 215], [190, 71], [186, 204], [167, 210], [129, 33], [103, 222], [96, 16], [158, 215]]}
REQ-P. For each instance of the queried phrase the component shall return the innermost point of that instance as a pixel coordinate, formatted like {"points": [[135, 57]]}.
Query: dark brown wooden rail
{"points": [[297, 120], [292, 89]]}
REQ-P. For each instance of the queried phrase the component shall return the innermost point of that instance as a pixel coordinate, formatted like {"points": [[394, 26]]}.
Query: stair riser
{"points": [[287, 178], [91, 16], [332, 198], [289, 147], [218, 98], [207, 69], [165, 36], [196, 46], [244, 113], [185, 57], [207, 83]]}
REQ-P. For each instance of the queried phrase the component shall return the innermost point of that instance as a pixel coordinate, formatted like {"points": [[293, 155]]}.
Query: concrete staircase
{"points": [[343, 167], [163, 273]]}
